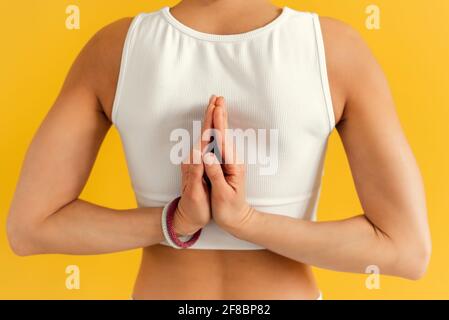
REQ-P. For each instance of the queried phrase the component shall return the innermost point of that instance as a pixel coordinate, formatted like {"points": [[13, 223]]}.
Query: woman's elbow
{"points": [[416, 259], [20, 236]]}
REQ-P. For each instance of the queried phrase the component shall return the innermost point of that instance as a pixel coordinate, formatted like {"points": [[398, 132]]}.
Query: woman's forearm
{"points": [[348, 245], [83, 228]]}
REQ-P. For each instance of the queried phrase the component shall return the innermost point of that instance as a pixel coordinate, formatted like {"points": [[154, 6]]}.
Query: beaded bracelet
{"points": [[172, 239]]}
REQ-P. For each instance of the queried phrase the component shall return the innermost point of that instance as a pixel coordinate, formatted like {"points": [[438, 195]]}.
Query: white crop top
{"points": [[273, 77]]}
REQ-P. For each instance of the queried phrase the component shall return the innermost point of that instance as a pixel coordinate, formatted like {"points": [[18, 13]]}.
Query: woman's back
{"points": [[274, 78], [275, 81]]}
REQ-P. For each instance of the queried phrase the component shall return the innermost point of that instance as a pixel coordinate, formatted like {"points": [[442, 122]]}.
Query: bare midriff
{"points": [[168, 273]]}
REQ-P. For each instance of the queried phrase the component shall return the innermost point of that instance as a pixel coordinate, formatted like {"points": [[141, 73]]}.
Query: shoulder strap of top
{"points": [[323, 69], [130, 37]]}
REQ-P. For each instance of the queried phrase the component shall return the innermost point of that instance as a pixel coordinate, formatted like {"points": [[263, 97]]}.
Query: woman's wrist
{"points": [[181, 226], [246, 225], [175, 237]]}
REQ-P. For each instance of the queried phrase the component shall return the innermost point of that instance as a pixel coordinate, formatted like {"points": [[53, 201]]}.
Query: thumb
{"points": [[196, 168], [214, 171]]}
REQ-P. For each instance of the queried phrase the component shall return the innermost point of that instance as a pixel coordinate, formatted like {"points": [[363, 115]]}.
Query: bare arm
{"points": [[46, 215], [393, 231]]}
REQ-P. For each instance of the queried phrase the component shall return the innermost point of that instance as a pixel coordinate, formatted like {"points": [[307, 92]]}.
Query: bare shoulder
{"points": [[345, 47], [349, 60], [108, 42], [339, 30], [98, 64]]}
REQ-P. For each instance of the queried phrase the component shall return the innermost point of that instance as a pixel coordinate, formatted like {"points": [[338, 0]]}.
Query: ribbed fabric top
{"points": [[273, 78]]}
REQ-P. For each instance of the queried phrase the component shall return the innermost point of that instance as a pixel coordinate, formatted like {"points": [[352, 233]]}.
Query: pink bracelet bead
{"points": [[171, 231]]}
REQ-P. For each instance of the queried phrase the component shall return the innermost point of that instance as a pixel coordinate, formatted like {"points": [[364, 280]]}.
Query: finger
{"points": [[208, 122], [214, 171], [219, 126], [231, 155], [192, 170], [196, 168], [208, 116], [233, 166], [226, 144], [222, 102]]}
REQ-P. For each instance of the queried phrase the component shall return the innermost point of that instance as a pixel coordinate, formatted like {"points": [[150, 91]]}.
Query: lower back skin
{"points": [[168, 273]]}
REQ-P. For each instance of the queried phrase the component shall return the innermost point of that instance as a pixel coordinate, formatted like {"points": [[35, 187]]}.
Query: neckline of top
{"points": [[222, 37]]}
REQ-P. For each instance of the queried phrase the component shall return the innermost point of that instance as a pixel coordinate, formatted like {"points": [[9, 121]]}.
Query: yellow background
{"points": [[37, 51]]}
